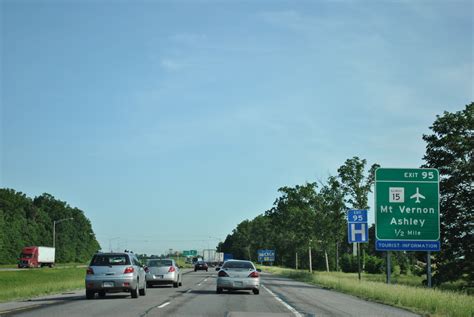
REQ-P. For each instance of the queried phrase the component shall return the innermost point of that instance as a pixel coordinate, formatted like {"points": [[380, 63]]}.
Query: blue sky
{"points": [[169, 123]]}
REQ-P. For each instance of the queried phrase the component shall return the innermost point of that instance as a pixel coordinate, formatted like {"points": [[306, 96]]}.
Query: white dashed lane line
{"points": [[164, 304], [288, 306], [187, 292]]}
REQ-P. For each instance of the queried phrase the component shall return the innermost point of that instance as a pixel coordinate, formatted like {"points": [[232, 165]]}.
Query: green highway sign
{"points": [[190, 252], [407, 209]]}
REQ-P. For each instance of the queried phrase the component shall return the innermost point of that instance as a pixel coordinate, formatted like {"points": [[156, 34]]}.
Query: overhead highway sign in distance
{"points": [[407, 209], [266, 255]]}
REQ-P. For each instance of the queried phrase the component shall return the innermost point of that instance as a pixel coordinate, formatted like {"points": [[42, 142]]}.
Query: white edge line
{"points": [[288, 306], [164, 304]]}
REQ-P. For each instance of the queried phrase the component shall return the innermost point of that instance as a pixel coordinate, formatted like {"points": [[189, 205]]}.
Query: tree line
{"points": [[314, 214], [26, 221]]}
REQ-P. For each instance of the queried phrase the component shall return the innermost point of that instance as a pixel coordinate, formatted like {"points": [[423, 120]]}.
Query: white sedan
{"points": [[238, 275]]}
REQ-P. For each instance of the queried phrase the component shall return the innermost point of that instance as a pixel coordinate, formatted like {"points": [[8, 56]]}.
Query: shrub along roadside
{"points": [[31, 283], [420, 300]]}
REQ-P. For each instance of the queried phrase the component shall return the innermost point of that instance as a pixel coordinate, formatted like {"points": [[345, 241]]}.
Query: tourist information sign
{"points": [[407, 209]]}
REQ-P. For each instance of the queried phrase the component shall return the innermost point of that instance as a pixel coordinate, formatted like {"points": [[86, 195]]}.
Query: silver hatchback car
{"points": [[238, 275], [115, 272], [163, 271]]}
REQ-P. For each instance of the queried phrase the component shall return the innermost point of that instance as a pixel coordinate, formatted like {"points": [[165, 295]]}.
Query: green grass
{"points": [[8, 266], [431, 302], [14, 266], [35, 282]]}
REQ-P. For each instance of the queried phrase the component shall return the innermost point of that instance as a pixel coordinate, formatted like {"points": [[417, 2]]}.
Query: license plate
{"points": [[158, 276], [108, 284], [238, 284]]}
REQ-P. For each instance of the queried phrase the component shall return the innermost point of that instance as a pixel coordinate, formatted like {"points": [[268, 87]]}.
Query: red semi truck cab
{"points": [[36, 256]]}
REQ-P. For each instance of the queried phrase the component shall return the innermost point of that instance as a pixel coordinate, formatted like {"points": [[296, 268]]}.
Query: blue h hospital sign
{"points": [[358, 232], [357, 227]]}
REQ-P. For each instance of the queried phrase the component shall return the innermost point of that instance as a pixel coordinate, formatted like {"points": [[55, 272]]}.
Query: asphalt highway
{"points": [[197, 297]]}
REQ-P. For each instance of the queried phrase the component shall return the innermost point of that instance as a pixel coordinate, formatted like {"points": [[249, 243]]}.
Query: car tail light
{"points": [[254, 274], [172, 269], [129, 270], [90, 271], [222, 274]]}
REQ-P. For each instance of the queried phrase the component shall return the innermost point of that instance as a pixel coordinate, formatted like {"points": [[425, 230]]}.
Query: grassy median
{"points": [[428, 302], [36, 282]]}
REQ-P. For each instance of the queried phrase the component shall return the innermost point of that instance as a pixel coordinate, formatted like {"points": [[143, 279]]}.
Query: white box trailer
{"points": [[209, 256], [46, 255], [35, 256]]}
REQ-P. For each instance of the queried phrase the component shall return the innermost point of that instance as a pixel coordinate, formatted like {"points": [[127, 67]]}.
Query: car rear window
{"points": [[110, 259], [160, 263], [238, 265]]}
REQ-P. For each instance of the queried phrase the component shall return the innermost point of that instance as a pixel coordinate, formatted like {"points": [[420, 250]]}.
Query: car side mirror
{"points": [[259, 270], [218, 268]]}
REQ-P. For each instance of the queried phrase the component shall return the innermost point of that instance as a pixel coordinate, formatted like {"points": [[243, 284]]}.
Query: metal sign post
{"points": [[389, 267], [428, 268]]}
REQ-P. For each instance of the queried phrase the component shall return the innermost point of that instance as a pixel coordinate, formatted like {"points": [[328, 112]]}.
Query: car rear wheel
{"points": [[256, 291], [134, 291], [102, 294], [143, 290], [219, 290], [175, 284], [90, 294]]}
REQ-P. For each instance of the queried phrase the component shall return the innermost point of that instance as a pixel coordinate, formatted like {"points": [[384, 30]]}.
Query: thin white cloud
{"points": [[459, 76], [300, 22], [188, 38], [172, 64]]}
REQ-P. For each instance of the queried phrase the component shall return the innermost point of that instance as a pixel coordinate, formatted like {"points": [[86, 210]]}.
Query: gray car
{"points": [[163, 271], [115, 272], [238, 275]]}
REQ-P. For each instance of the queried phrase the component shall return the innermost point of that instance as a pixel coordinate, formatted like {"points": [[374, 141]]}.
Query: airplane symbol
{"points": [[417, 195]]}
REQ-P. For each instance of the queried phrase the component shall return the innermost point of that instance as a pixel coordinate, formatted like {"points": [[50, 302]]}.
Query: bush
{"points": [[374, 265], [349, 263]]}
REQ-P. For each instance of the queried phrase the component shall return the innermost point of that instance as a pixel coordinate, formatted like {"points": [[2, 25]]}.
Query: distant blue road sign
{"points": [[357, 227], [266, 255], [357, 215], [228, 256]]}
